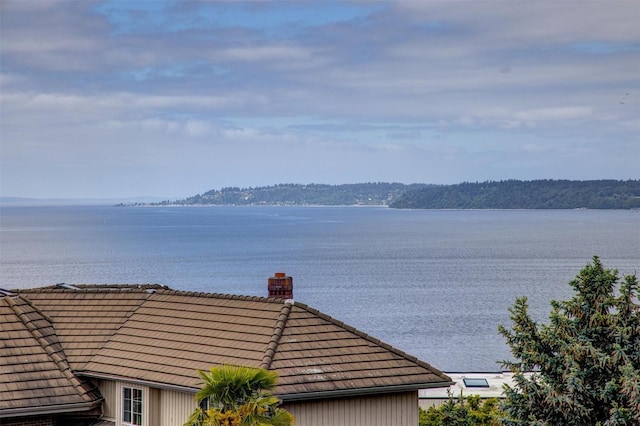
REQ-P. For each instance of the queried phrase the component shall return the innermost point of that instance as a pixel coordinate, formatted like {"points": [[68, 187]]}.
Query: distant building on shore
{"points": [[486, 385]]}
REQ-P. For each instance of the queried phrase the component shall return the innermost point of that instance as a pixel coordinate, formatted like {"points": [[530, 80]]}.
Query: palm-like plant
{"points": [[238, 396]]}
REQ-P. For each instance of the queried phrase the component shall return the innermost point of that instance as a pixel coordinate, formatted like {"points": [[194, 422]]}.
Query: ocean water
{"points": [[433, 283]]}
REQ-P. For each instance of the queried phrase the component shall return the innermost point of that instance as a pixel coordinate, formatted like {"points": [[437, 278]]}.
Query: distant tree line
{"points": [[372, 194], [516, 194], [508, 194]]}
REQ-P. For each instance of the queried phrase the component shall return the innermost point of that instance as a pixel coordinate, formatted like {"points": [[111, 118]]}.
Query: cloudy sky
{"points": [[169, 99]]}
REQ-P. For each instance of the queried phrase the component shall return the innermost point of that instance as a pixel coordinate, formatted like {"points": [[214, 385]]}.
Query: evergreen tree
{"points": [[585, 361]]}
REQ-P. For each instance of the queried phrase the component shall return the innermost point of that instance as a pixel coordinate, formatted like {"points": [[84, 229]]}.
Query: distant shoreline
{"points": [[490, 195], [510, 194]]}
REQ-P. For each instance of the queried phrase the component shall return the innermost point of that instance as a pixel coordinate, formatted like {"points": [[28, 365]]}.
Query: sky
{"points": [[114, 99]]}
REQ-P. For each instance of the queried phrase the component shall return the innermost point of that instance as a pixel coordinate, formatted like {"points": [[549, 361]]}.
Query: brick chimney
{"points": [[280, 286]]}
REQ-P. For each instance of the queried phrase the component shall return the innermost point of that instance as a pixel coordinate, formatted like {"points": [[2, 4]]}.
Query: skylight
{"points": [[480, 382]]}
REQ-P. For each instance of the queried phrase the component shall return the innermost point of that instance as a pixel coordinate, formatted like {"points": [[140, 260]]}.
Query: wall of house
{"points": [[161, 407], [170, 408], [395, 409], [175, 407], [108, 391]]}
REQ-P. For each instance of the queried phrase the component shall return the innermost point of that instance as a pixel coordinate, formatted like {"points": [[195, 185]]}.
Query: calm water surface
{"points": [[433, 283]]}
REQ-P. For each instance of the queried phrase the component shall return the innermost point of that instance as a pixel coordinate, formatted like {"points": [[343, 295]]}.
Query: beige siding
{"points": [[109, 393], [154, 406], [396, 410], [170, 408], [175, 407], [161, 407]]}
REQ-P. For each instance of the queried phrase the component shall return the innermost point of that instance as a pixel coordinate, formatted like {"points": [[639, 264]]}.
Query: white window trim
{"points": [[119, 412]]}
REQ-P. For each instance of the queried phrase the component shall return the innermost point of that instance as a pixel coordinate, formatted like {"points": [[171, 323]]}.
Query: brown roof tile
{"points": [[193, 331], [319, 354], [92, 314], [34, 372], [157, 335]]}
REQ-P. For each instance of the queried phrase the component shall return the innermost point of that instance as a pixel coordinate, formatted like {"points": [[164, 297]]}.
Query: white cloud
{"points": [[457, 84], [558, 113], [197, 128], [264, 53], [525, 21]]}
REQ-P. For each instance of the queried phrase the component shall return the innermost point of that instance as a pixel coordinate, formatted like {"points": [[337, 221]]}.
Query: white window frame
{"points": [[131, 408]]}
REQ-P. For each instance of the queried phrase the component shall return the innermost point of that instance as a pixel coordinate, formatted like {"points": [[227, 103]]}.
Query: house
{"points": [[128, 355], [485, 385]]}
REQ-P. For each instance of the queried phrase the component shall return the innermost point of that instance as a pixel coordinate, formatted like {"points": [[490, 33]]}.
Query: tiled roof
{"points": [[159, 336], [172, 334], [318, 355], [86, 319], [34, 374]]}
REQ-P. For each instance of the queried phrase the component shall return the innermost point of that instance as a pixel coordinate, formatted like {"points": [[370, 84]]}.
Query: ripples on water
{"points": [[433, 283]]}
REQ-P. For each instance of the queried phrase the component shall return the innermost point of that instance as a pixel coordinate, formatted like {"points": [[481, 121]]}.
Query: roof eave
{"points": [[378, 390], [291, 397], [156, 385], [49, 409]]}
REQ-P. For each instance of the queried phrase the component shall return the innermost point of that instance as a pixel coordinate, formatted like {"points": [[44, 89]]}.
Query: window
{"points": [[131, 406], [204, 404]]}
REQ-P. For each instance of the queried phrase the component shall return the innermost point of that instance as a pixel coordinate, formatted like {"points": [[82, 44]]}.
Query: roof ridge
{"points": [[227, 296], [148, 288], [35, 308], [75, 288], [85, 392], [280, 325], [129, 314], [120, 287], [374, 340]]}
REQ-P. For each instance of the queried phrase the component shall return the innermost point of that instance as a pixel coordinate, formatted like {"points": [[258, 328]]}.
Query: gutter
{"points": [[291, 397], [304, 396], [49, 409], [155, 385]]}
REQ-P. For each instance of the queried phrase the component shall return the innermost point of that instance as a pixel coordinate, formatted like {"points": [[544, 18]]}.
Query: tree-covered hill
{"points": [[509, 194], [376, 194], [515, 194]]}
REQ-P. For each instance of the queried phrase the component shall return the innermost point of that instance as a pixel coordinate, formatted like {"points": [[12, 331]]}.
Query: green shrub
{"points": [[463, 411]]}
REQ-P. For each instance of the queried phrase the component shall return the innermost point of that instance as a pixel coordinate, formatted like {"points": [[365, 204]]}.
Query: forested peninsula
{"points": [[508, 194], [515, 194]]}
